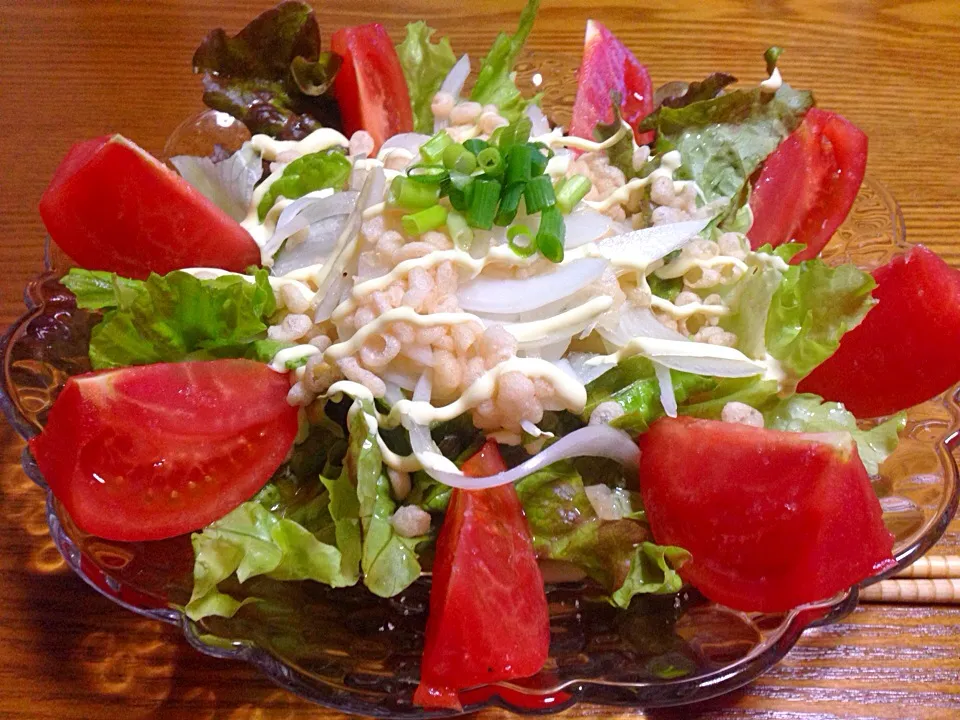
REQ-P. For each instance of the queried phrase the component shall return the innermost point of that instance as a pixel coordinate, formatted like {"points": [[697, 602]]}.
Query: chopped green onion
{"points": [[518, 164], [509, 203], [475, 145], [529, 247], [460, 232], [432, 150], [483, 202], [516, 133], [427, 174], [490, 161], [538, 194], [573, 191], [551, 234], [457, 157], [412, 195], [538, 161], [425, 220]]}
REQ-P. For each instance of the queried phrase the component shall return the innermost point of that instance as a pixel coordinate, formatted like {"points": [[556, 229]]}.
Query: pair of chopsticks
{"points": [[931, 579]]}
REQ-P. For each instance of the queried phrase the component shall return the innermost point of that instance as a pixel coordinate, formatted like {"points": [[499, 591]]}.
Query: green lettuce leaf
{"points": [[653, 570], [271, 75], [634, 386], [495, 83], [810, 413], [425, 64], [615, 553], [389, 561], [686, 94], [174, 317], [811, 309], [754, 391], [724, 139], [252, 541], [316, 171], [620, 154]]}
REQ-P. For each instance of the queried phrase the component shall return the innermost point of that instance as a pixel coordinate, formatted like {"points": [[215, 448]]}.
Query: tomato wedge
{"points": [[907, 349], [488, 611], [608, 66], [773, 519], [150, 452], [370, 87], [112, 206], [808, 184]]}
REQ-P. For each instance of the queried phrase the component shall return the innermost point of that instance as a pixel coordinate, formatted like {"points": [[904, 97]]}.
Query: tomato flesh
{"points": [[907, 349], [608, 66], [488, 612], [112, 206], [773, 519], [370, 87], [150, 452], [808, 184]]}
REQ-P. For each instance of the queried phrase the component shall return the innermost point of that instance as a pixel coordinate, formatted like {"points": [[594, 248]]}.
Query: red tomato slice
{"points": [[808, 184], [488, 611], [607, 66], [112, 206], [773, 519], [370, 87], [907, 349], [149, 452]]}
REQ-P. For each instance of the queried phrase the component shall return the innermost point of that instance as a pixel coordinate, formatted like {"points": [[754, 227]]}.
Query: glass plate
{"points": [[349, 650]]}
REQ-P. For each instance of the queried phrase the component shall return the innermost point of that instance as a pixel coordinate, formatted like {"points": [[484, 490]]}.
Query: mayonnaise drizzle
{"points": [[670, 162], [565, 324], [291, 354], [399, 314], [207, 273], [685, 311]]}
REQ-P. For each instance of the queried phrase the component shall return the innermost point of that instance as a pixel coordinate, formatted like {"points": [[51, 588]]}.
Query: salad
{"points": [[407, 326]]}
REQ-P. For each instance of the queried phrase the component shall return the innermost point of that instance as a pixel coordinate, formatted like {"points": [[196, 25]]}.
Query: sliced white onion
{"points": [[539, 123], [333, 296], [498, 295], [565, 365], [555, 350], [229, 183], [343, 257], [641, 247], [591, 441], [321, 239], [304, 212], [589, 366], [453, 84], [695, 357], [636, 322], [585, 226], [667, 397], [409, 141]]}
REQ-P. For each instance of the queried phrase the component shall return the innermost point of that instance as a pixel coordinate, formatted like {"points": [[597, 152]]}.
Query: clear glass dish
{"points": [[348, 650]]}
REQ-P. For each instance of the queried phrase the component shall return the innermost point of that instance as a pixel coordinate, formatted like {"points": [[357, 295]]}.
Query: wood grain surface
{"points": [[72, 70]]}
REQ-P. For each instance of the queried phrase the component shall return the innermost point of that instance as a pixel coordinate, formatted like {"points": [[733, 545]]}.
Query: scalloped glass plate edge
{"points": [[875, 204]]}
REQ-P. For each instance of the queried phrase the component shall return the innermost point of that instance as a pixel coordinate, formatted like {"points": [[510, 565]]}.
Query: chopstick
{"points": [[931, 579]]}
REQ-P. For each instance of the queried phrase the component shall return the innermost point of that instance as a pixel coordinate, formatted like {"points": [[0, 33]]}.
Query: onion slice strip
{"points": [[592, 441], [453, 84], [667, 397], [640, 248], [498, 296]]}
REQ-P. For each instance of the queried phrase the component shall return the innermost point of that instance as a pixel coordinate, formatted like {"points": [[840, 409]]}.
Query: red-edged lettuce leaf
{"points": [[271, 75]]}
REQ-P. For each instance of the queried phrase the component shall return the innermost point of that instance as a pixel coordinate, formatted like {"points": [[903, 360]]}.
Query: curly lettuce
{"points": [[425, 64], [175, 317], [495, 83]]}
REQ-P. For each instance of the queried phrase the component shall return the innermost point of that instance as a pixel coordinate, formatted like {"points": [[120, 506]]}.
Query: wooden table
{"points": [[73, 70]]}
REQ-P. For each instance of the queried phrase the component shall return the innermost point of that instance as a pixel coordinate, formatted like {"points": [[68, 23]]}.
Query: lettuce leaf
{"points": [[653, 570], [271, 75], [811, 309], [634, 386], [615, 553], [316, 171], [174, 317], [810, 413], [724, 139], [389, 561], [252, 540], [495, 83], [425, 64], [687, 94]]}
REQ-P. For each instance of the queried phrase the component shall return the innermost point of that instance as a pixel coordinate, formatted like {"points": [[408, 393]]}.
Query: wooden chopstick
{"points": [[931, 579]]}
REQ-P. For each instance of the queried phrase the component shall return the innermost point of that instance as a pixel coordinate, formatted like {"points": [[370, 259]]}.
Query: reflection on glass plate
{"points": [[352, 651]]}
